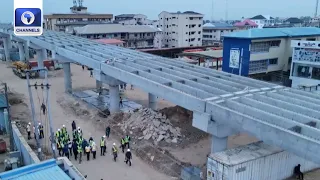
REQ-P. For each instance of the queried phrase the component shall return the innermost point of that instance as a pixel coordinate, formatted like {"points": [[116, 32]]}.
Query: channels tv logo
{"points": [[28, 21]]}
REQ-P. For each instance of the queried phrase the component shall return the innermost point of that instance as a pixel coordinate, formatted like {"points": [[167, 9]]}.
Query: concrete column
{"points": [[98, 85], [6, 46], [53, 54], [152, 101], [218, 144], [40, 59], [67, 77], [44, 54], [114, 98], [26, 51], [21, 52]]}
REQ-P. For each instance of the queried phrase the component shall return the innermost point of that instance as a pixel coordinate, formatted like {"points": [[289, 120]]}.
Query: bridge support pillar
{"points": [[67, 77], [40, 59], [21, 52], [114, 98], [7, 47], [98, 85], [152, 101], [218, 144], [26, 51]]}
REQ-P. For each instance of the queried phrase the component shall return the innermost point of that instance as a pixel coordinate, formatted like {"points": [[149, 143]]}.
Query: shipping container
{"points": [[256, 161]]}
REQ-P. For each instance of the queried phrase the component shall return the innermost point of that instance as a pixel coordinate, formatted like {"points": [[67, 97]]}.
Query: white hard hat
{"points": [[128, 150], [78, 127], [29, 122], [39, 123], [114, 144], [63, 126], [58, 129], [104, 136]]}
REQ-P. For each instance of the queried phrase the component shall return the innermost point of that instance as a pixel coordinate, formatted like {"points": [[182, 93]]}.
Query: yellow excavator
{"points": [[19, 68]]}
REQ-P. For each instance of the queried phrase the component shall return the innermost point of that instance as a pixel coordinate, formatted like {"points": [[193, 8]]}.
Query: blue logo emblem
{"points": [[28, 17]]}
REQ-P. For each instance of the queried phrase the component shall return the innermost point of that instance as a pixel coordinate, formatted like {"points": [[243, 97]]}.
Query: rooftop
{"points": [[109, 41], [275, 33], [125, 16], [82, 23], [218, 26], [246, 22], [293, 20], [258, 17], [44, 170], [206, 54], [115, 28]]}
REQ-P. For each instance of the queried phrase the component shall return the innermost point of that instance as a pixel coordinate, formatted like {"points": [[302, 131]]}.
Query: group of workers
{"points": [[79, 145], [39, 131]]}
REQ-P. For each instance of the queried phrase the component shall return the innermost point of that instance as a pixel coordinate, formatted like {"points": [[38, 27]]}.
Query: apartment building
{"points": [[305, 67], [263, 20], [263, 50], [136, 37], [181, 29], [78, 17], [133, 19], [213, 32]]}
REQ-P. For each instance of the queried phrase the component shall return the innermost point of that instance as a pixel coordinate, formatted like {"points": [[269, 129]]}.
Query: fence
{"points": [[27, 154]]}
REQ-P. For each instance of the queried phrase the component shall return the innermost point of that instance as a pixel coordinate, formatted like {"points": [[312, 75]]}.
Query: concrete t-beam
{"points": [[67, 77]]}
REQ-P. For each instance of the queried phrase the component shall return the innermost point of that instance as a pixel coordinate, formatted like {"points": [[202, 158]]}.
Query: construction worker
{"points": [[108, 131], [64, 130], [59, 147], [128, 157], [29, 130], [34, 132], [87, 149], [94, 149], [80, 153], [41, 134], [70, 147], [66, 150], [123, 144], [114, 152], [79, 132], [73, 125], [90, 141], [58, 134], [75, 149], [127, 141], [102, 145], [120, 103]]}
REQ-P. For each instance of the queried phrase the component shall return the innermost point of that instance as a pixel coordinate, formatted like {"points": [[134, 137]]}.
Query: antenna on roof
{"points": [[74, 3], [80, 3], [316, 13]]}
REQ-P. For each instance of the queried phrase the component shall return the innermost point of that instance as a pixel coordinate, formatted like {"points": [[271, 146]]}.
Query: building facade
{"points": [[305, 67], [78, 17], [213, 32], [136, 37], [263, 20], [262, 51], [181, 29]]}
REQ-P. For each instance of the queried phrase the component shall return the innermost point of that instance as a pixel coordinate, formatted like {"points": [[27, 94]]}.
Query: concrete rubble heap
{"points": [[153, 125]]}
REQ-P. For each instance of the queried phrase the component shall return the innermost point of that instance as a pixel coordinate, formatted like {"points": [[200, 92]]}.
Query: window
{"points": [[315, 73], [199, 39], [173, 25], [199, 25], [199, 32], [173, 17], [311, 39], [191, 18], [222, 31], [303, 71], [214, 30], [258, 66], [231, 30], [289, 60], [275, 43], [273, 61], [186, 32], [186, 25], [258, 47]]}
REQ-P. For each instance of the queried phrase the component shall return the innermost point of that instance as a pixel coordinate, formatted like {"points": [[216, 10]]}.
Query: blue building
{"points": [[262, 51]]}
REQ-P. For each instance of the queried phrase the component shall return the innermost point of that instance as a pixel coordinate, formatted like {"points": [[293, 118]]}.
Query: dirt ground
{"points": [[168, 159]]}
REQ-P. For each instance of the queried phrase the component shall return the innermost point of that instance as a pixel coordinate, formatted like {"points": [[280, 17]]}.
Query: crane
{"points": [[316, 13]]}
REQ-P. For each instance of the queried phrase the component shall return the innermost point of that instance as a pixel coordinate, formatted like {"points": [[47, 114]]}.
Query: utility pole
{"points": [[9, 116], [241, 57], [316, 12], [49, 116], [33, 114]]}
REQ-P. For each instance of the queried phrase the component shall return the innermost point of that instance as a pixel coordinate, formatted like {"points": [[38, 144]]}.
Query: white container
{"points": [[256, 161]]}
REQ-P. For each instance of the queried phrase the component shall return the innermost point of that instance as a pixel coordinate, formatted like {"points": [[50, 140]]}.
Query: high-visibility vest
{"points": [[122, 141], [94, 147], [114, 149], [41, 128], [127, 139], [58, 145], [90, 143], [102, 142], [62, 145], [58, 134], [87, 149]]}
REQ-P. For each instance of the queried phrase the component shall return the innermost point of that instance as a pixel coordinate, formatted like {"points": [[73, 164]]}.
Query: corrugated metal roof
{"points": [[114, 28], [275, 32], [218, 26], [245, 153], [3, 101], [46, 170]]}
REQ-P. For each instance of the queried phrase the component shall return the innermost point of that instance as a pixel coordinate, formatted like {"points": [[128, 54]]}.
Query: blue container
{"points": [[190, 173]]}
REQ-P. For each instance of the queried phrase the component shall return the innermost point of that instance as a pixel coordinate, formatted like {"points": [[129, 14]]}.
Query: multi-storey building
{"points": [[263, 20], [305, 67], [133, 19], [181, 29], [76, 18], [213, 32], [262, 51], [143, 36]]}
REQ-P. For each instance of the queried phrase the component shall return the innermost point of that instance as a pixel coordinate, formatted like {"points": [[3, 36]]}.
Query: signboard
{"points": [[234, 60]]}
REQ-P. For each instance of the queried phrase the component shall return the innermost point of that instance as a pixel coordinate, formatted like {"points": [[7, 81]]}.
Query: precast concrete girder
{"points": [[176, 85], [110, 80], [287, 106], [173, 95], [292, 100], [204, 122], [300, 97], [197, 74], [62, 59], [304, 93], [158, 71], [282, 122], [295, 116], [197, 79], [293, 142]]}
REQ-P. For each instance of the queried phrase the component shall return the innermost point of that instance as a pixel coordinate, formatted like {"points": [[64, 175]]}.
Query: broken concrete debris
{"points": [[153, 125]]}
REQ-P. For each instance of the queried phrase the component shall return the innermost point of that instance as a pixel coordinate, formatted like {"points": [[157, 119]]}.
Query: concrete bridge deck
{"points": [[222, 103]]}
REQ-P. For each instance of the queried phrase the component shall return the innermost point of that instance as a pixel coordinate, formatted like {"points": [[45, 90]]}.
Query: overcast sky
{"points": [[151, 8]]}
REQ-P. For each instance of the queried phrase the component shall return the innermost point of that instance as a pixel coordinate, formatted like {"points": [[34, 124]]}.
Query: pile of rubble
{"points": [[153, 126]]}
